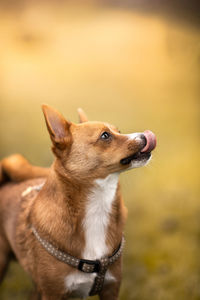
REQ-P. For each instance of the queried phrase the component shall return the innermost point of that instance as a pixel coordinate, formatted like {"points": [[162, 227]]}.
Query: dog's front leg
{"points": [[110, 291], [4, 256], [35, 295], [54, 297], [51, 297]]}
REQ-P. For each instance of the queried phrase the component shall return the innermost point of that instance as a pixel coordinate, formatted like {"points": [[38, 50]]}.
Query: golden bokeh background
{"points": [[136, 68]]}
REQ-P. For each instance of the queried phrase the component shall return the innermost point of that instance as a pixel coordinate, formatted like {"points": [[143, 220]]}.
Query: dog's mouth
{"points": [[144, 154], [139, 156]]}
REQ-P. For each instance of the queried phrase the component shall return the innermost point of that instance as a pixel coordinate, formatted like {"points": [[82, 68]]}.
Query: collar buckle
{"points": [[89, 266]]}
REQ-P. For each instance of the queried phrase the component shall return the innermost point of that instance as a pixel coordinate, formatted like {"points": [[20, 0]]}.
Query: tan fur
{"points": [[58, 209], [16, 168]]}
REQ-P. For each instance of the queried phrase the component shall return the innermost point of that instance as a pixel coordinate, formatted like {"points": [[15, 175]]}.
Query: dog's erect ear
{"points": [[57, 126], [82, 116]]}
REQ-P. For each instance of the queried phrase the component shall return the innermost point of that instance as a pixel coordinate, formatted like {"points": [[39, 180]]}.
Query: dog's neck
{"points": [[97, 216], [88, 213]]}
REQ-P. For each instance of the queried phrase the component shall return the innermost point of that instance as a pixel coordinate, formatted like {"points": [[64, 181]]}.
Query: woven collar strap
{"points": [[87, 266]]}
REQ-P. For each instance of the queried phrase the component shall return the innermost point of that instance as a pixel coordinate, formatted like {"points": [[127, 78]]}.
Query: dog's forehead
{"points": [[93, 127]]}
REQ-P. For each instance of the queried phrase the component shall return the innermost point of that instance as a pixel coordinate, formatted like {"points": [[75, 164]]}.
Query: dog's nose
{"points": [[144, 140], [141, 139]]}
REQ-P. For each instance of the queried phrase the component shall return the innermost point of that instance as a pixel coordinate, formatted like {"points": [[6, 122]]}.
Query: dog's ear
{"points": [[57, 126], [82, 116]]}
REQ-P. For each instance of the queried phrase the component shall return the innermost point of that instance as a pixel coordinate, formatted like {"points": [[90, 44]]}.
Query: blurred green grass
{"points": [[135, 71]]}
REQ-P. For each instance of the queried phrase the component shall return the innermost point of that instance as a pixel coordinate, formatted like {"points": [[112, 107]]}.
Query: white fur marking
{"points": [[95, 224], [79, 283], [138, 164], [134, 136], [97, 216], [32, 188]]}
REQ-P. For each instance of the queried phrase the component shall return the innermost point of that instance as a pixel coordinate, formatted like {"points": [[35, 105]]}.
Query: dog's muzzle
{"points": [[147, 141]]}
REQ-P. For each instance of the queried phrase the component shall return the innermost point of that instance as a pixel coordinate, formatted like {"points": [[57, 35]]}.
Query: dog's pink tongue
{"points": [[150, 141]]}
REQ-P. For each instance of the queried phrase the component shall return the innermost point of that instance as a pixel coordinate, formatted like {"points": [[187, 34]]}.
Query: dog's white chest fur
{"points": [[95, 226]]}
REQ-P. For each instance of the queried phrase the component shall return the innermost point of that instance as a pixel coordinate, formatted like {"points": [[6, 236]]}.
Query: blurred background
{"points": [[134, 64]]}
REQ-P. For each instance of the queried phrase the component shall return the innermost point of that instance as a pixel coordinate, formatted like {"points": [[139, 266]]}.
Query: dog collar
{"points": [[87, 266]]}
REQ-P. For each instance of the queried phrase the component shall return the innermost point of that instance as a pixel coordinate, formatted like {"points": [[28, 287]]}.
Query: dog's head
{"points": [[96, 149]]}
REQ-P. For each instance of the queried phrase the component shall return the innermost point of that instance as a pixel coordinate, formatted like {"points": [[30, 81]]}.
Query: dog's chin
{"points": [[136, 160]]}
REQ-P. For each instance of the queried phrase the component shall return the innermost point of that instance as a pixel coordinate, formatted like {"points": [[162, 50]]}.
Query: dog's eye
{"points": [[105, 135]]}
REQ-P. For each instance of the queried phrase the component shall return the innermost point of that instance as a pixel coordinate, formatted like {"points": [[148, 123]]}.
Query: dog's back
{"points": [[12, 195], [16, 176]]}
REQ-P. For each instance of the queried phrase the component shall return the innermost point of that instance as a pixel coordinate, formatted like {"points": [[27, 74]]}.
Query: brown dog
{"points": [[65, 224]]}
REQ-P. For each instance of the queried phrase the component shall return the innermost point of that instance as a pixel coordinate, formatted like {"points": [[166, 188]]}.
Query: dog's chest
{"points": [[95, 224], [80, 284]]}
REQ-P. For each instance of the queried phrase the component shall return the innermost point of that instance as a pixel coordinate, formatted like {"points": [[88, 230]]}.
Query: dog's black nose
{"points": [[144, 140]]}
